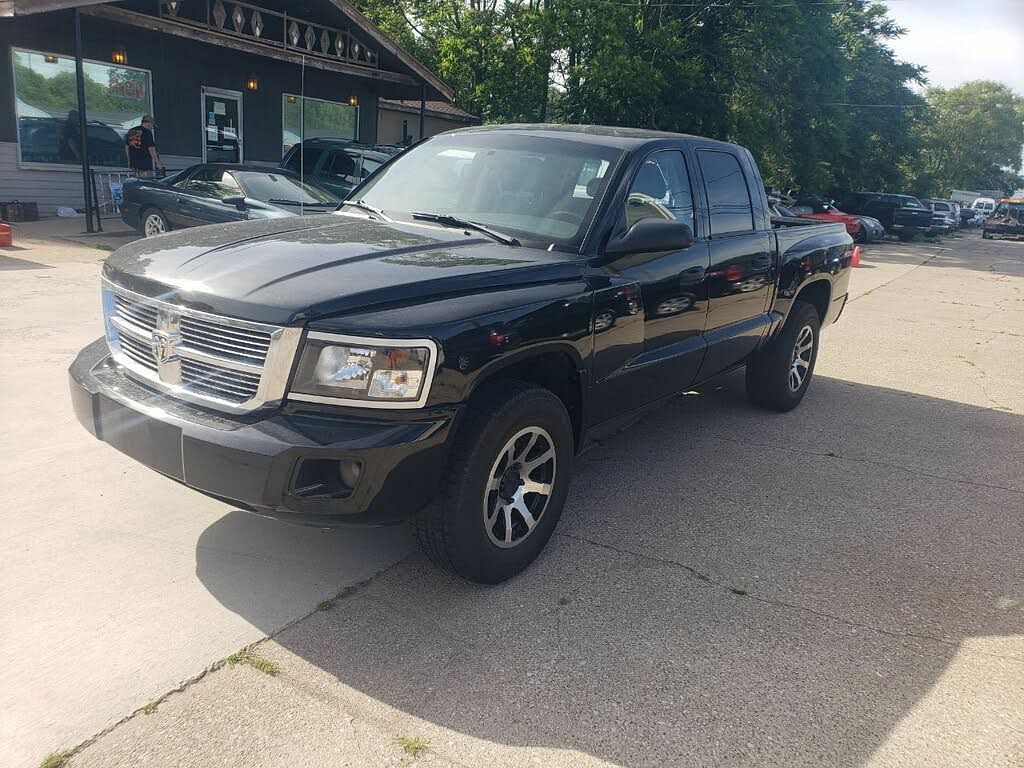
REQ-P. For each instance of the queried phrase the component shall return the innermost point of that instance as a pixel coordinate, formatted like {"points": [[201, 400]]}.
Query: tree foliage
{"points": [[813, 89]]}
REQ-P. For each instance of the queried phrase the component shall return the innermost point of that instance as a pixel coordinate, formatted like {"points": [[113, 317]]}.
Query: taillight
{"points": [[855, 259]]}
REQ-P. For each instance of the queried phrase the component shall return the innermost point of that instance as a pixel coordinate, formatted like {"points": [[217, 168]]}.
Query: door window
{"points": [[213, 182], [661, 190], [310, 156], [728, 196], [340, 167], [222, 127]]}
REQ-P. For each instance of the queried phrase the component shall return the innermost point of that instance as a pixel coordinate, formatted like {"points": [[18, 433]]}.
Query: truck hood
{"points": [[285, 271]]}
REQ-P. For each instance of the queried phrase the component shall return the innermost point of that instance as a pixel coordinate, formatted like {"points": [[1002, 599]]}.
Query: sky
{"points": [[961, 40]]}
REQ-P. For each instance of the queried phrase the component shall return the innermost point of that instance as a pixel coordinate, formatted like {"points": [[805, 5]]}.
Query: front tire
{"points": [[779, 374], [506, 484], [154, 222]]}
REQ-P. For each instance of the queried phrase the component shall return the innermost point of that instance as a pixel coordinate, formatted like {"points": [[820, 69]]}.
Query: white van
{"points": [[984, 206]]}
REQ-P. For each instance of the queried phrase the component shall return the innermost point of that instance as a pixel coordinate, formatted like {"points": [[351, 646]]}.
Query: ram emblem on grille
{"points": [[164, 343]]}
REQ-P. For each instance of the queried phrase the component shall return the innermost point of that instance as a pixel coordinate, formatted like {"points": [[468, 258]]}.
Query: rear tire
{"points": [[778, 375], [152, 222], [479, 527]]}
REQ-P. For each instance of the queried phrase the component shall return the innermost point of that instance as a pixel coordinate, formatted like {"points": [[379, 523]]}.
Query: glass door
{"points": [[222, 126]]}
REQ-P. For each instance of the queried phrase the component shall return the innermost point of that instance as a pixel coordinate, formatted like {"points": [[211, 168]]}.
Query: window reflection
{"points": [[46, 102]]}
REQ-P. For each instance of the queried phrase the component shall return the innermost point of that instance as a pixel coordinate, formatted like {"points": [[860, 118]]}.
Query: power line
{"points": [[667, 4]]}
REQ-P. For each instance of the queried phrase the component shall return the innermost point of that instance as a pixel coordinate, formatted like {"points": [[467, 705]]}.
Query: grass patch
{"points": [[326, 605], [56, 759], [150, 708], [104, 247], [414, 746], [254, 660]]}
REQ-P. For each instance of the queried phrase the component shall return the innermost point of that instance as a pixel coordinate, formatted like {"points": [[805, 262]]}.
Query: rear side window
{"points": [[728, 197]]}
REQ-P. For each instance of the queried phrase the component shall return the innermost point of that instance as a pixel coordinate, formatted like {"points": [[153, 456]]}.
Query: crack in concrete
{"points": [[832, 455], [745, 594]]}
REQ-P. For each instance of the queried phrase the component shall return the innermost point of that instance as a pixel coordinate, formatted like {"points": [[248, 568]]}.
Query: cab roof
{"points": [[606, 135]]}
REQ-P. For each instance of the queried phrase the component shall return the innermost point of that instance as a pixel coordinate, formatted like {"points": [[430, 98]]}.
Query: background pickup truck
{"points": [[901, 215], [441, 347]]}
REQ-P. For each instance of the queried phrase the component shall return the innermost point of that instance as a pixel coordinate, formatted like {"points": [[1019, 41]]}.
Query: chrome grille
{"points": [[230, 364]]}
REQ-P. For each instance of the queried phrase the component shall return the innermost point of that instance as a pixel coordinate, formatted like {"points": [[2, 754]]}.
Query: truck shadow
{"points": [[726, 587]]}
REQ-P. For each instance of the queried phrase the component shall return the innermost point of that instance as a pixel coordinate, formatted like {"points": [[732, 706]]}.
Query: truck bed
{"points": [[791, 231]]}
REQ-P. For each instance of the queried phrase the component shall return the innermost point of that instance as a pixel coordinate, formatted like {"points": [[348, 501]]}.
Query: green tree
{"points": [[973, 140]]}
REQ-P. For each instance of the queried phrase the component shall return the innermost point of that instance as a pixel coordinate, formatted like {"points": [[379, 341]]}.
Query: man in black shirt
{"points": [[140, 148]]}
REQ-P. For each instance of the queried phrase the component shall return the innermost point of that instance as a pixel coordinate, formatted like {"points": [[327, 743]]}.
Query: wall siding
{"points": [[50, 189]]}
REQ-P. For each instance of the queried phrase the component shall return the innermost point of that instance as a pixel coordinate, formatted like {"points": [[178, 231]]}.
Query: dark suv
{"points": [[336, 164], [901, 215]]}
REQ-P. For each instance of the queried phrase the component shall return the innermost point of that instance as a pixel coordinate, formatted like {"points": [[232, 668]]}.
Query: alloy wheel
{"points": [[519, 486], [154, 225], [801, 362]]}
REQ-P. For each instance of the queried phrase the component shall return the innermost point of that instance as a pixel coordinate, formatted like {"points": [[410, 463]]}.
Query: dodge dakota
{"points": [[442, 346]]}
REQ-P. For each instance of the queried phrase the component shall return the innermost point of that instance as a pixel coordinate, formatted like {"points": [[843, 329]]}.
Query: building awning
{"points": [[25, 7], [313, 42], [434, 108]]}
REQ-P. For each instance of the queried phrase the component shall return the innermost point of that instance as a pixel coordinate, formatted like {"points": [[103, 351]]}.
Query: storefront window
{"points": [[47, 108], [322, 120]]}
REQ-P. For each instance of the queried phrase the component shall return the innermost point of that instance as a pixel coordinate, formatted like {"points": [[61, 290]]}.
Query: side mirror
{"points": [[236, 200], [651, 236]]}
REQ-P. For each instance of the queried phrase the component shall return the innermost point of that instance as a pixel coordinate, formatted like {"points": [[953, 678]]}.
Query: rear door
{"points": [[742, 258]]}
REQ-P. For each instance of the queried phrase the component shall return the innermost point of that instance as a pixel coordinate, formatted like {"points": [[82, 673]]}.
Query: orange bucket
{"points": [[6, 235]]}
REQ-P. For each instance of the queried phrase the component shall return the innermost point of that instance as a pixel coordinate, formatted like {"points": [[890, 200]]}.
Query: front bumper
{"points": [[256, 461], [921, 229]]}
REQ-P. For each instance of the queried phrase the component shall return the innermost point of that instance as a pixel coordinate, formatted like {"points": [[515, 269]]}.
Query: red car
{"points": [[816, 208]]}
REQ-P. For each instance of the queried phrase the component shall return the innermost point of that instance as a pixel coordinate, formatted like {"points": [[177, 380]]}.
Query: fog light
{"points": [[349, 472]]}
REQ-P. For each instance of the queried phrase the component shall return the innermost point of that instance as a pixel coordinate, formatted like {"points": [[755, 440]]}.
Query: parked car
{"points": [[983, 208], [215, 193], [817, 208], [56, 140], [335, 164], [1006, 221], [443, 345], [943, 215], [902, 215]]}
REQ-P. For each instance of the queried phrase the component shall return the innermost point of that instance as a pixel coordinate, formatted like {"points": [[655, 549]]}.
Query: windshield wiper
{"points": [[365, 207], [455, 221], [282, 201]]}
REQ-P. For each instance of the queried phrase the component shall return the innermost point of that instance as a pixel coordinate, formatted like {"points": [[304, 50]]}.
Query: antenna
{"points": [[302, 137]]}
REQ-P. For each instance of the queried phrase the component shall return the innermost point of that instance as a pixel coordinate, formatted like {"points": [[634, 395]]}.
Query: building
{"points": [[398, 119], [226, 81]]}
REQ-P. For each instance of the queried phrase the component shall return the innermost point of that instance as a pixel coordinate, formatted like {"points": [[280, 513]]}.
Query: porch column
{"points": [[83, 135], [423, 108]]}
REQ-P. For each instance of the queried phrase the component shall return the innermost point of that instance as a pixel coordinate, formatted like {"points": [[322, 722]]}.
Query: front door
{"points": [[222, 126], [648, 330]]}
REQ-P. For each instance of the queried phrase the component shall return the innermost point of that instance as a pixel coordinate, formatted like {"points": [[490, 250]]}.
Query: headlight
{"points": [[373, 373]]}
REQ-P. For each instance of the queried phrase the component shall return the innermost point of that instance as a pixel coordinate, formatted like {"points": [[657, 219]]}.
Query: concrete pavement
{"points": [[841, 585]]}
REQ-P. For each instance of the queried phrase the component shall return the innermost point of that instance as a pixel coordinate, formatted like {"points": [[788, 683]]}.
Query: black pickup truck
{"points": [[443, 345], [901, 215]]}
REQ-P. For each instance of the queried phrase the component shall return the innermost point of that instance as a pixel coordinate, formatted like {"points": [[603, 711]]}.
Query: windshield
{"points": [[281, 188], [910, 202], [542, 190], [1015, 210]]}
